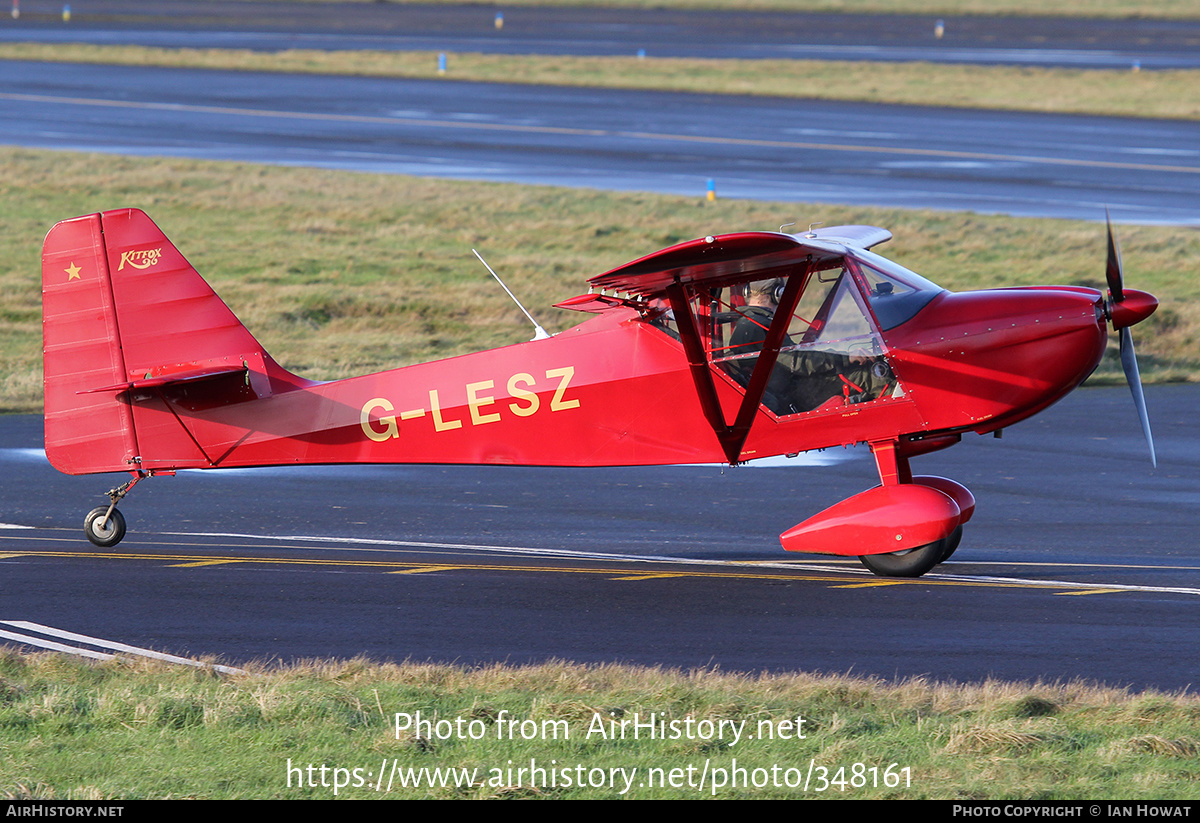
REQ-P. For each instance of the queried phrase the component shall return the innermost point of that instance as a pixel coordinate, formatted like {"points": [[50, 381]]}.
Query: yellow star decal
{"points": [[73, 271]]}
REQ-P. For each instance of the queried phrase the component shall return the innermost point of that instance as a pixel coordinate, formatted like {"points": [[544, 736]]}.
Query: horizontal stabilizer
{"points": [[176, 378]]}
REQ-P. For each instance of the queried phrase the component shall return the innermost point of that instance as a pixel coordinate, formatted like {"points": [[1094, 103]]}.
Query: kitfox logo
{"points": [[140, 258]]}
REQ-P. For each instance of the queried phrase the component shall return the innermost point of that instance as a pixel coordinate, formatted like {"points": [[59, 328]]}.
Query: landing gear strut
{"points": [[104, 525]]}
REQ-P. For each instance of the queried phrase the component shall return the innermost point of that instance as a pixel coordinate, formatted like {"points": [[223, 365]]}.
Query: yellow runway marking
{"points": [[409, 567], [614, 567], [423, 570], [635, 135], [629, 574], [1093, 591], [870, 584]]}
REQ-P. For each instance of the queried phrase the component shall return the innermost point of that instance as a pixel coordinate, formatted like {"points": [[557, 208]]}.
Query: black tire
{"points": [[911, 563], [951, 544], [104, 534]]}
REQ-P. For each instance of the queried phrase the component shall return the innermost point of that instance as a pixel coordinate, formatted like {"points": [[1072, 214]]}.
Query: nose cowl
{"points": [[1136, 307]]}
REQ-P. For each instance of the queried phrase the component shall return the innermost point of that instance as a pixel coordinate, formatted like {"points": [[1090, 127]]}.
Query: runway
{"points": [[761, 148], [273, 26], [674, 566]]}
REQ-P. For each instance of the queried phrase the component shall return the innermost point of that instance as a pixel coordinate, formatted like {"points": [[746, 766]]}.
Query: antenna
{"points": [[539, 333]]}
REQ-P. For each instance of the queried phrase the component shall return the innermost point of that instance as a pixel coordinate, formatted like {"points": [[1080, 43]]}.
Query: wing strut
{"points": [[733, 437], [693, 348]]}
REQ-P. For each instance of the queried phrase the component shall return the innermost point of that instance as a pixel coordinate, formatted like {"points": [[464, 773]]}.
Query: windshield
{"points": [[894, 293]]}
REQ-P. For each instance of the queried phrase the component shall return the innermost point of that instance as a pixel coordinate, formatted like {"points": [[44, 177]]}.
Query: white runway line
{"points": [[94, 641]]}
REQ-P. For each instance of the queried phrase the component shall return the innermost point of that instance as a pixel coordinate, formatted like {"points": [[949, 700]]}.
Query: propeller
{"points": [[1126, 309]]}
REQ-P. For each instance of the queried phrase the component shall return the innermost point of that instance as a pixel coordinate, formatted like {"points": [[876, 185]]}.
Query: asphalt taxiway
{"points": [[793, 150], [272, 26], [1081, 562]]}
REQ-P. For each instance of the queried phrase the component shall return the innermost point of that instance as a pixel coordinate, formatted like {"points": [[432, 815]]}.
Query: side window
{"points": [[830, 356]]}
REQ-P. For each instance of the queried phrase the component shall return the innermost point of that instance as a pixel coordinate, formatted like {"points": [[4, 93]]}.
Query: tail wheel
{"points": [[913, 562], [104, 531]]}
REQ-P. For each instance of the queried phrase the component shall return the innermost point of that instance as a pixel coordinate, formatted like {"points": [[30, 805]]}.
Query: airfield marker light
{"points": [[67, 13], [499, 21], [641, 54], [712, 189], [442, 63], [1137, 65], [939, 28]]}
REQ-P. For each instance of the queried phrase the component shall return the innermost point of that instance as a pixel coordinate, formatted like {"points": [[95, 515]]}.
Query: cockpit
{"points": [[830, 352]]}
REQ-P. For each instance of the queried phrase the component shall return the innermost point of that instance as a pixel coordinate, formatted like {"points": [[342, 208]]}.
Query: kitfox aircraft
{"points": [[726, 348]]}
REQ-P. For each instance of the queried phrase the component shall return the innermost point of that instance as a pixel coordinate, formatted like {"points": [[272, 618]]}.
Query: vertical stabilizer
{"points": [[127, 325]]}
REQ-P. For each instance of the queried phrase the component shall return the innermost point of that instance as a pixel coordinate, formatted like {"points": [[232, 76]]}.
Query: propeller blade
{"points": [[1134, 378], [1116, 281]]}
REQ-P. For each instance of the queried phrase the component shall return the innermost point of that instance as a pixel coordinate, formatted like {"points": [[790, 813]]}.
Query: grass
{"points": [[73, 730], [1162, 94], [340, 273]]}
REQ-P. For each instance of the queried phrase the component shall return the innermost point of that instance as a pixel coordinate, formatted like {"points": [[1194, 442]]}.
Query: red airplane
{"points": [[726, 348]]}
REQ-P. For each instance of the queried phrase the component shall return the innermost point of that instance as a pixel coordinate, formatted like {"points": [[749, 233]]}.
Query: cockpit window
{"points": [[829, 357], [894, 293]]}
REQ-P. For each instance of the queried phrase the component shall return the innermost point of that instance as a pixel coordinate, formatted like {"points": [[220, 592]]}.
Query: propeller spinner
{"points": [[1125, 308]]}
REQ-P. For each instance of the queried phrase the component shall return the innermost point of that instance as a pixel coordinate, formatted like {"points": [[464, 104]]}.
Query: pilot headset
{"points": [[773, 288]]}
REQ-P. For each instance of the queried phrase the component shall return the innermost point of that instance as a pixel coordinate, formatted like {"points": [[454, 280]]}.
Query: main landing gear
{"points": [[914, 562], [104, 525], [892, 461], [901, 528]]}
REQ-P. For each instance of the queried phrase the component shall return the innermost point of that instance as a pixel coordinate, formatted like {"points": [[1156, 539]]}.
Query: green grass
{"points": [[340, 273], [1162, 94], [126, 730]]}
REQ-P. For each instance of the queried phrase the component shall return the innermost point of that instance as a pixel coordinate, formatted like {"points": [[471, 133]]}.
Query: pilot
{"points": [[802, 379]]}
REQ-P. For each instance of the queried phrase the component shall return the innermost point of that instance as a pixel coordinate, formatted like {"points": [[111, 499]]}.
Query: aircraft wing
{"points": [[734, 258]]}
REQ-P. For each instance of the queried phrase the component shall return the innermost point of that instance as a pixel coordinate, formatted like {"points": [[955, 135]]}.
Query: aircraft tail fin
{"points": [[126, 318]]}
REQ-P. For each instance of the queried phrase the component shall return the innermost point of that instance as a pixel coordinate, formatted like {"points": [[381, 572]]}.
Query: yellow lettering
{"points": [[557, 403], [390, 429], [140, 259], [474, 401], [523, 394], [435, 406]]}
